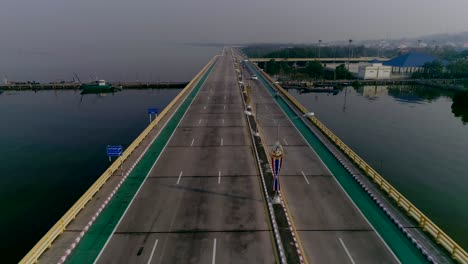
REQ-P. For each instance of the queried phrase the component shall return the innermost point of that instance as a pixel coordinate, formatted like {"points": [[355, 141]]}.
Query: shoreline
{"points": [[75, 86]]}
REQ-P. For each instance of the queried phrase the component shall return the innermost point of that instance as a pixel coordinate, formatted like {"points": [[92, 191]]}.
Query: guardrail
{"points": [[457, 252], [47, 240]]}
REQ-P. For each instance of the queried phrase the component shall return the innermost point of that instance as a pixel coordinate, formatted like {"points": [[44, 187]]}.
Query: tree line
{"points": [[312, 70], [315, 51], [345, 51], [457, 68]]}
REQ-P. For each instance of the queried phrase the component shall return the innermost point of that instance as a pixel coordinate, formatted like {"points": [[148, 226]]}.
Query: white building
{"points": [[374, 71]]}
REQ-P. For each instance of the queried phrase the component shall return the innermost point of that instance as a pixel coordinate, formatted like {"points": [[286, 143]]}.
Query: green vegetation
{"points": [[343, 51], [431, 70], [457, 68], [278, 67], [312, 70], [312, 51], [342, 73]]}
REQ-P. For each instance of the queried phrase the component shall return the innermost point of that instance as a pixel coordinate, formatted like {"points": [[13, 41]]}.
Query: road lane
{"points": [[204, 188], [321, 211]]}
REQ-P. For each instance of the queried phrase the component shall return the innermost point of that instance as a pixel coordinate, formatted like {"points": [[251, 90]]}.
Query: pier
{"points": [[76, 86]]}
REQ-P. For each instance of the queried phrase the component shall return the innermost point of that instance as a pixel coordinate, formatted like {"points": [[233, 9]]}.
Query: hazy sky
{"points": [[39, 37]]}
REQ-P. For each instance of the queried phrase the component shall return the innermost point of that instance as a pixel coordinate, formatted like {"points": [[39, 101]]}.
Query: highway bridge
{"points": [[196, 188]]}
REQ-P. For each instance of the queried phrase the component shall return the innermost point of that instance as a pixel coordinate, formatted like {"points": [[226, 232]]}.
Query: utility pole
{"points": [[334, 62], [349, 52], [319, 45]]}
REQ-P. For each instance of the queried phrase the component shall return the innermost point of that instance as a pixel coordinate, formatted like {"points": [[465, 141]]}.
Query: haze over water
{"points": [[48, 40], [166, 62]]}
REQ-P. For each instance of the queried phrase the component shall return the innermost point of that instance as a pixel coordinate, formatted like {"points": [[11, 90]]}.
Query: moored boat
{"points": [[98, 86]]}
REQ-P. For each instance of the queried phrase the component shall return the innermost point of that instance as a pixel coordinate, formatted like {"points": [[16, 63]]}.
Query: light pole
{"points": [[277, 121], [349, 52], [334, 63], [319, 45], [276, 154]]}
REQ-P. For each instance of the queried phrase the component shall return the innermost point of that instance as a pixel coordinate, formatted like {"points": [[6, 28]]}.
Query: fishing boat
{"points": [[99, 86]]}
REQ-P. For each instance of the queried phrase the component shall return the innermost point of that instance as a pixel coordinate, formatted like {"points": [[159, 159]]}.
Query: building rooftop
{"points": [[410, 60]]}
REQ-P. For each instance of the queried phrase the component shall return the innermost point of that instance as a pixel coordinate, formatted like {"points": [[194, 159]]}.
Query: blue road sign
{"points": [[152, 111], [114, 151]]}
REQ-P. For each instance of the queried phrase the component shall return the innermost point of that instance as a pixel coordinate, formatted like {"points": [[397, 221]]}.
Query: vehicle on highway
{"points": [[254, 77]]}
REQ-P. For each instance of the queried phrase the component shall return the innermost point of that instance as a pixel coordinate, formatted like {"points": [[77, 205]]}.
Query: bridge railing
{"points": [[457, 252], [47, 240]]}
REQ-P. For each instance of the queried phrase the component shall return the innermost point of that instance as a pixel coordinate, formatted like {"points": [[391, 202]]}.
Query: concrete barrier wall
{"points": [[47, 240]]}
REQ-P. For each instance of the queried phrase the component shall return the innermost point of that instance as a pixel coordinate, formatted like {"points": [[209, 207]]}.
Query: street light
{"points": [[320, 43], [278, 121], [277, 151], [349, 52]]}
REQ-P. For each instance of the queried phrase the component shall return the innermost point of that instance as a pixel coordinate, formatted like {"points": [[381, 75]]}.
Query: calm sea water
{"points": [[414, 137], [53, 147]]}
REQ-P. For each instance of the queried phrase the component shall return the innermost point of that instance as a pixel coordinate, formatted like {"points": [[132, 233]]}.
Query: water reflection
{"points": [[416, 93], [460, 106], [419, 94], [97, 93], [372, 92]]}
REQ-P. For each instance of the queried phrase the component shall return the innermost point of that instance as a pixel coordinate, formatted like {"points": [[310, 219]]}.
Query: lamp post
{"points": [[277, 121], [349, 52], [319, 45], [276, 154], [334, 63]]}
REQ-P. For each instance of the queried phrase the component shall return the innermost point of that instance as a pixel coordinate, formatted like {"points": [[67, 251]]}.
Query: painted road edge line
{"points": [[208, 71], [103, 206], [339, 184], [347, 251], [146, 177]]}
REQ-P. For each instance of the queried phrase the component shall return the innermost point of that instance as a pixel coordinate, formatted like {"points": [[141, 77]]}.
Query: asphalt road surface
{"points": [[329, 225], [202, 201]]}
